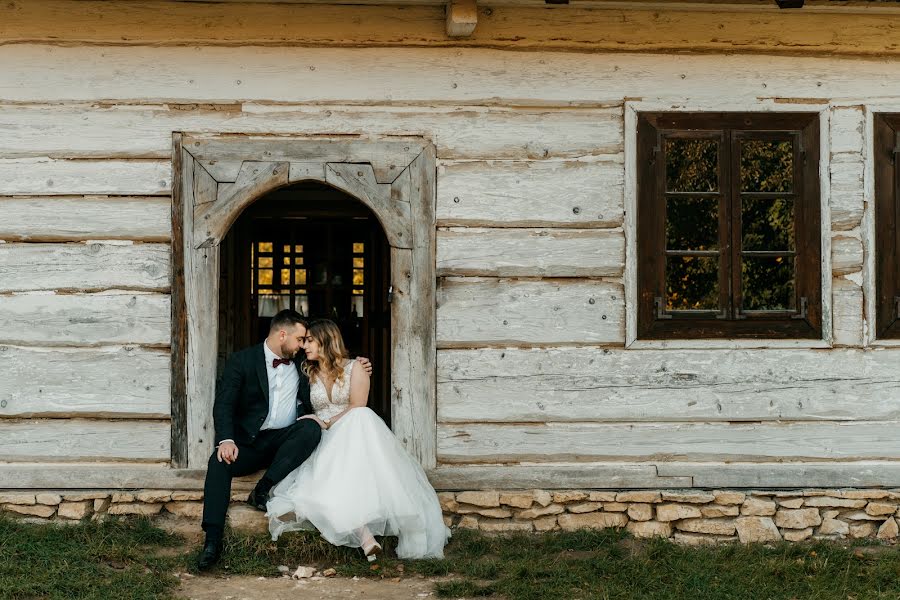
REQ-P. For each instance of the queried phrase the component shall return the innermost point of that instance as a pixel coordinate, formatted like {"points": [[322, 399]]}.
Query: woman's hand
{"points": [[321, 423]]}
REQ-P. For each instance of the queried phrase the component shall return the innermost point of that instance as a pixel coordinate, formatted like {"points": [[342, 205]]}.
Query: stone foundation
{"points": [[687, 516]]}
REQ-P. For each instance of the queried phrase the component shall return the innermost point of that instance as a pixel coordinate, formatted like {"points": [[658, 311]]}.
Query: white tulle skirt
{"points": [[361, 476]]}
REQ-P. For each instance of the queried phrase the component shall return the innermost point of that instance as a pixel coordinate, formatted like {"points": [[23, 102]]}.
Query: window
{"points": [[728, 226], [887, 233]]}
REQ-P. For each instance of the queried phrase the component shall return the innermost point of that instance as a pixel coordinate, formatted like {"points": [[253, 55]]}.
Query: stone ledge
{"points": [[683, 516]]}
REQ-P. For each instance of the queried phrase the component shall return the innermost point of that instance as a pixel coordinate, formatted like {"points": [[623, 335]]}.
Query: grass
{"points": [[133, 559]]}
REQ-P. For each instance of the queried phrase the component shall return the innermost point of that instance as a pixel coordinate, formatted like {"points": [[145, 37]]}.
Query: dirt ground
{"points": [[318, 588]]}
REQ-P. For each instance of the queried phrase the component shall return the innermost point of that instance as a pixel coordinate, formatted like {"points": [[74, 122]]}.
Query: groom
{"points": [[259, 397]]}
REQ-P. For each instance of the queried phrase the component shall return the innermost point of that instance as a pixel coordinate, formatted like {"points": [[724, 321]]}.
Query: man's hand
{"points": [[316, 419], [365, 363], [227, 451]]}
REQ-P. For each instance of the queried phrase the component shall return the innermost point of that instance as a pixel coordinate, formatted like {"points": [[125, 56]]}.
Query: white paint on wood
{"points": [[615, 385], [493, 312], [42, 319], [86, 218], [459, 132], [856, 474], [848, 130], [108, 476], [102, 382], [846, 254], [73, 440], [531, 193], [40, 73], [41, 177], [847, 191], [475, 442], [553, 476], [83, 267], [530, 252], [848, 301]]}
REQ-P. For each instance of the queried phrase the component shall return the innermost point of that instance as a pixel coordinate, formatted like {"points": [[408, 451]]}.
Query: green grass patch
{"points": [[134, 559]]}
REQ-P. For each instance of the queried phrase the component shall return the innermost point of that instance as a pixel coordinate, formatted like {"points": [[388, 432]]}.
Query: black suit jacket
{"points": [[242, 396]]}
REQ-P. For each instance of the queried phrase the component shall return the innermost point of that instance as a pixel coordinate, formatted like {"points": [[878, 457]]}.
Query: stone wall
{"points": [[688, 517]]}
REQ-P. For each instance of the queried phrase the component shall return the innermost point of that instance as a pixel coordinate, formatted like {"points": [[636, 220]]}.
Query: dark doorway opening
{"points": [[321, 252]]}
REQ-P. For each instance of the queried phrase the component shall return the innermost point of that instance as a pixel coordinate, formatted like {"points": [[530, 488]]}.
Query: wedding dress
{"points": [[359, 476]]}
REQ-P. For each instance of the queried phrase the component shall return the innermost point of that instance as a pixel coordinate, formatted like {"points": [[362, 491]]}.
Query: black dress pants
{"points": [[281, 450]]}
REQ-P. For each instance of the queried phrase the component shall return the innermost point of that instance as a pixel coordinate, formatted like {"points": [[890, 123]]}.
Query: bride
{"points": [[359, 482]]}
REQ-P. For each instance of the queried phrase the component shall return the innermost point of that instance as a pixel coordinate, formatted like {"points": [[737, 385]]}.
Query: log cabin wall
{"points": [[537, 385]]}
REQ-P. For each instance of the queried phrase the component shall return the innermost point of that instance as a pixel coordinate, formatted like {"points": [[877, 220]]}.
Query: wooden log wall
{"points": [[532, 366]]}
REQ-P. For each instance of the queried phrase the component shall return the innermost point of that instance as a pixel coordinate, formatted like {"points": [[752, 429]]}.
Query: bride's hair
{"points": [[332, 352]]}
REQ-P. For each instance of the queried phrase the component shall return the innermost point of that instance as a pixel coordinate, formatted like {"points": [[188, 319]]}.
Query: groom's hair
{"points": [[287, 318]]}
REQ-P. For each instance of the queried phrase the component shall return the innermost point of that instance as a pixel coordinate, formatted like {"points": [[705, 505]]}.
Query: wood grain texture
{"points": [[847, 191], [73, 440], [108, 476], [39, 73], [847, 254], [581, 28], [615, 385], [477, 251], [553, 476], [42, 177], [41, 319], [720, 442], [78, 218], [83, 267], [68, 382], [459, 132], [474, 311], [848, 302], [531, 193], [856, 474]]}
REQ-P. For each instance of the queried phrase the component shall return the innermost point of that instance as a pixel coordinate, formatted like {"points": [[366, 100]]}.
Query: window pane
{"points": [[298, 260], [269, 305], [264, 277], [692, 223], [358, 263], [767, 166], [285, 277], [300, 276], [767, 224], [692, 283], [767, 283], [358, 277], [265, 261], [692, 165], [298, 248], [286, 249], [265, 246], [358, 248]]}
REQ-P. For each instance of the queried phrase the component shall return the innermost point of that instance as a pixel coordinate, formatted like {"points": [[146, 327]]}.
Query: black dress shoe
{"points": [[258, 500], [210, 555]]}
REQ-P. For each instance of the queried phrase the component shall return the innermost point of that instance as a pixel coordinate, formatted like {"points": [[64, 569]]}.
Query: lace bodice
{"points": [[340, 395]]}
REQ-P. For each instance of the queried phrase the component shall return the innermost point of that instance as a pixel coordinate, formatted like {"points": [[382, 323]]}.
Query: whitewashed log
{"points": [[496, 312], [41, 73], [848, 301], [103, 382], [847, 191], [108, 475], [73, 440], [594, 384], [85, 319], [847, 130], [83, 267], [531, 194], [856, 474], [846, 254], [553, 476], [40, 177], [530, 252], [87, 131], [475, 442]]}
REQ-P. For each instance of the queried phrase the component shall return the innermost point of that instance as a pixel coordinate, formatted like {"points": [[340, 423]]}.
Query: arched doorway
{"points": [[316, 250]]}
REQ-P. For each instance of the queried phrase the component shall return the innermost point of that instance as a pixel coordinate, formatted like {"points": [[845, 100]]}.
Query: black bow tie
{"points": [[280, 361]]}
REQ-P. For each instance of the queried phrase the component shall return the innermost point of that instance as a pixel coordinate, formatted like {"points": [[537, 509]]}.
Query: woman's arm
{"points": [[359, 390]]}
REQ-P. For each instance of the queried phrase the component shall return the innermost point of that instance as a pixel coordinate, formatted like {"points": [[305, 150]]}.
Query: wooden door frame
{"points": [[216, 177]]}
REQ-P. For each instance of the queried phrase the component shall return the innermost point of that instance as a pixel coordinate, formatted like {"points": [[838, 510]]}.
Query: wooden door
{"points": [[320, 253]]}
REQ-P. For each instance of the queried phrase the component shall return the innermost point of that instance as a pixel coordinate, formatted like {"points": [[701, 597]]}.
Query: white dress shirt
{"points": [[284, 382]]}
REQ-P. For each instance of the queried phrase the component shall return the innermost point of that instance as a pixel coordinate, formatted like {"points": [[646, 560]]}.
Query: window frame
{"points": [[886, 127], [651, 127]]}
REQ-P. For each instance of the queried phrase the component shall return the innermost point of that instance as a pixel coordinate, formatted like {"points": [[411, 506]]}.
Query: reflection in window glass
{"points": [[358, 248], [767, 283], [692, 283], [767, 224], [692, 223], [358, 262], [264, 277], [265, 261], [265, 247], [767, 166], [269, 304], [692, 165], [285, 277]]}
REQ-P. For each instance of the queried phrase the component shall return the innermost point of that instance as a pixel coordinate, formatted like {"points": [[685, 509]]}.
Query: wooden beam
{"points": [[462, 17]]}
